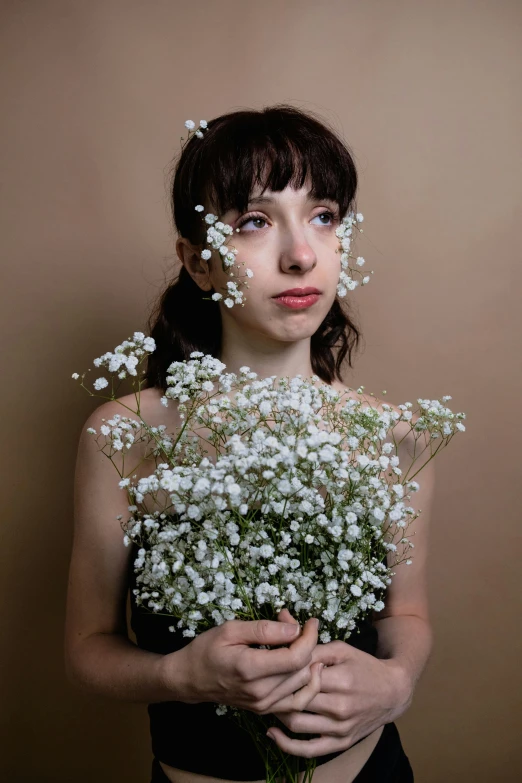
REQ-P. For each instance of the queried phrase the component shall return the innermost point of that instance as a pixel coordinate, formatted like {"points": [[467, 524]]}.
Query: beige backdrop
{"points": [[94, 97]]}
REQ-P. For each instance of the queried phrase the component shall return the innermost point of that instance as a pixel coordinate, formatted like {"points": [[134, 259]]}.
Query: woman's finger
{"points": [[281, 660], [278, 686], [310, 723], [300, 699], [306, 748], [322, 704], [284, 616]]}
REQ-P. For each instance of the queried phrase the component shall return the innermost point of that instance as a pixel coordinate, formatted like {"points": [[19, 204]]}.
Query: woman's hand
{"points": [[220, 666], [358, 694]]}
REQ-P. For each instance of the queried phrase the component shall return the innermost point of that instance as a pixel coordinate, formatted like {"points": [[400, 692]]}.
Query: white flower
{"points": [[190, 124], [217, 232], [202, 123], [75, 375], [228, 539], [199, 208], [100, 383]]}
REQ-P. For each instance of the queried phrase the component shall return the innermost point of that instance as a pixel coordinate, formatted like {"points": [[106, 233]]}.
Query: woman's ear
{"points": [[190, 257]]}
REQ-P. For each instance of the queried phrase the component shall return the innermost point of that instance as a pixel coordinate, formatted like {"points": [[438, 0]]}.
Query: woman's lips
{"points": [[297, 302]]}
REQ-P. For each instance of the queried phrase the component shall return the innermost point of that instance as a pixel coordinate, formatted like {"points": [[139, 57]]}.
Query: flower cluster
{"points": [[217, 233], [298, 509], [292, 512], [124, 359], [344, 233], [190, 124]]}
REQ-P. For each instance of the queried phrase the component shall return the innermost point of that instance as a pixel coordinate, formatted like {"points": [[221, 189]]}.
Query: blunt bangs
{"points": [[271, 149]]}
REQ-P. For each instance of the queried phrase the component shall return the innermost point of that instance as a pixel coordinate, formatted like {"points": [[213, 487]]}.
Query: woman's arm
{"points": [[112, 665], [404, 627], [405, 644], [98, 654]]}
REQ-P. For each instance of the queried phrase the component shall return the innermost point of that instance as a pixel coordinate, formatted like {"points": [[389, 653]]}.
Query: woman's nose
{"points": [[298, 255]]}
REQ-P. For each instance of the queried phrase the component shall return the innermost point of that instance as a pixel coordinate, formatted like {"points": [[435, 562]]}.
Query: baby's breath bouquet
{"points": [[275, 492]]}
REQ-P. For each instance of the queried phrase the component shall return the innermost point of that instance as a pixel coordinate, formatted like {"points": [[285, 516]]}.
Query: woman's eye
{"points": [[253, 219], [329, 215]]}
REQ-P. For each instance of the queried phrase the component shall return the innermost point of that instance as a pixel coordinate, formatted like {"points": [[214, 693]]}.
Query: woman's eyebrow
{"points": [[270, 200], [261, 200]]}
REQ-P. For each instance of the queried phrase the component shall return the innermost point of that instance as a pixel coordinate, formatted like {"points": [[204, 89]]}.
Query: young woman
{"points": [[285, 180]]}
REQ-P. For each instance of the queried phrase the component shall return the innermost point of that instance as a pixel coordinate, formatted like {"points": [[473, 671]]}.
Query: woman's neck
{"points": [[282, 360]]}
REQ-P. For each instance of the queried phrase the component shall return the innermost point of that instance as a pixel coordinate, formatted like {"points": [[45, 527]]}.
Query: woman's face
{"points": [[289, 242]]}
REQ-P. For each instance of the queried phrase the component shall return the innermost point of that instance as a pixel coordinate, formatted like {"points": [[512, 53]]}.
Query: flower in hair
{"points": [[190, 124]]}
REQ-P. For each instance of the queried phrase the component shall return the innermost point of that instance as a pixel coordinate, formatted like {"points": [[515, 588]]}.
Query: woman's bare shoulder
{"points": [[150, 409]]}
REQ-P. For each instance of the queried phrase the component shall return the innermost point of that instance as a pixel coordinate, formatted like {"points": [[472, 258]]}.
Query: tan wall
{"points": [[94, 96]]}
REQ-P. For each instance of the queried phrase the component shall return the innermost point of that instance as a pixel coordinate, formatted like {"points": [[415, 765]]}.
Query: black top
{"points": [[193, 737]]}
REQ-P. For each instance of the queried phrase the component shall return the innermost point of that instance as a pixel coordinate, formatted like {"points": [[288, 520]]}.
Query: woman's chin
{"points": [[298, 333]]}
